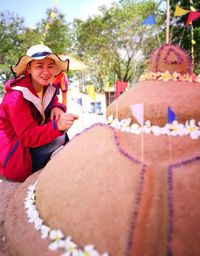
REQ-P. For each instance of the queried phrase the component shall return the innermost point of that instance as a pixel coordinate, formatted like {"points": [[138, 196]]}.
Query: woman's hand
{"points": [[65, 121], [55, 113]]}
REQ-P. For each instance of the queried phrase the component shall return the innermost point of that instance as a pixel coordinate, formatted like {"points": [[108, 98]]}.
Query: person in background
{"points": [[62, 82], [33, 124]]}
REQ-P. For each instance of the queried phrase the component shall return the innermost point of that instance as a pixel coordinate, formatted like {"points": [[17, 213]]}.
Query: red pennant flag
{"points": [[192, 16], [120, 87]]}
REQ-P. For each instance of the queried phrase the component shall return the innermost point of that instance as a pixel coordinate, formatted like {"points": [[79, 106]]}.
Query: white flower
{"points": [[58, 243], [53, 246], [123, 129], [110, 119], [174, 131], [74, 253], [146, 129], [31, 188], [89, 250], [31, 208], [78, 253], [192, 129], [164, 130], [69, 245], [128, 129], [147, 123], [194, 133], [28, 203], [116, 123], [125, 122], [38, 223], [192, 122], [156, 130], [30, 196], [32, 215], [134, 127], [177, 129], [56, 235], [44, 231]]}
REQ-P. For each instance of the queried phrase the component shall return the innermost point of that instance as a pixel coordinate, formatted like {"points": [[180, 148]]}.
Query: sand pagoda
{"points": [[98, 196]]}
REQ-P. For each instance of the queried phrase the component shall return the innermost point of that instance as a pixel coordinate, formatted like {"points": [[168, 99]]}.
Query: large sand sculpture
{"points": [[99, 192]]}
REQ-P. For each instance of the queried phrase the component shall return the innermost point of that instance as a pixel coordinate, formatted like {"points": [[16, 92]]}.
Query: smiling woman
{"points": [[32, 123]]}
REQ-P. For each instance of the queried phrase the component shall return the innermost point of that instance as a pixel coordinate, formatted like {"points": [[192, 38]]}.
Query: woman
{"points": [[32, 122]]}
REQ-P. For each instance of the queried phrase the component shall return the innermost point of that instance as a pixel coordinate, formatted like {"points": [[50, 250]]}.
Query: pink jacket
{"points": [[24, 123]]}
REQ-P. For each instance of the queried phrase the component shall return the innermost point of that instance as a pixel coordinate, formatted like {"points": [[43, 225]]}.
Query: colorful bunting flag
{"points": [[52, 14], [52, 17], [138, 112], [80, 101], [150, 20], [171, 115], [180, 11], [192, 16], [107, 87], [91, 92], [120, 87], [193, 42]]}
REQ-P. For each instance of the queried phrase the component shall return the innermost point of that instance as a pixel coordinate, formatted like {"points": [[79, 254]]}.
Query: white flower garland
{"points": [[190, 128], [57, 237], [166, 76]]}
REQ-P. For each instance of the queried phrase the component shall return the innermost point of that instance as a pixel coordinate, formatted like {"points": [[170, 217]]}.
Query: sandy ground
{"points": [[7, 189]]}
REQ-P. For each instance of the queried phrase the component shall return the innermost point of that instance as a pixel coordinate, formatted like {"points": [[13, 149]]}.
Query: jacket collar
{"points": [[25, 86]]}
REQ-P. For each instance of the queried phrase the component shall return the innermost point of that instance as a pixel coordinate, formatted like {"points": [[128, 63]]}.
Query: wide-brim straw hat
{"points": [[39, 52]]}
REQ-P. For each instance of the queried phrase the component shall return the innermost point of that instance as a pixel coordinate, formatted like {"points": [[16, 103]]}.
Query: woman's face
{"points": [[42, 72]]}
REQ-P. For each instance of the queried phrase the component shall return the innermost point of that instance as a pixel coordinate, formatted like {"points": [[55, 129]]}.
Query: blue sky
{"points": [[33, 11]]}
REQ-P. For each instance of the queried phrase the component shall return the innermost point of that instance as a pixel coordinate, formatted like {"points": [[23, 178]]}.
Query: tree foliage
{"points": [[114, 43], [15, 38], [55, 31]]}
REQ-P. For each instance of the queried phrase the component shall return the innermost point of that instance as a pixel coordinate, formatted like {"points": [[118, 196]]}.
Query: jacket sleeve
{"points": [[29, 133]]}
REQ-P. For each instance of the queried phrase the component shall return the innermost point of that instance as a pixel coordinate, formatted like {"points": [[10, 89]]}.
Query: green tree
{"points": [[55, 32], [15, 39], [114, 44], [11, 27]]}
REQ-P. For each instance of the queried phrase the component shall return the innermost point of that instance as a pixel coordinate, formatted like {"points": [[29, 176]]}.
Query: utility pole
{"points": [[167, 21]]}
